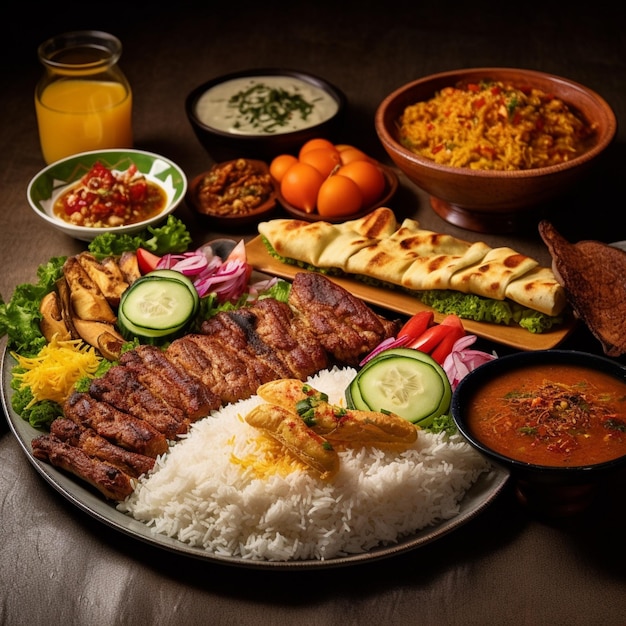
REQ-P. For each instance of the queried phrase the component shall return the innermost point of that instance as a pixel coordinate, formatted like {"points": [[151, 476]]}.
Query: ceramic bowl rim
{"points": [[597, 148], [510, 362]]}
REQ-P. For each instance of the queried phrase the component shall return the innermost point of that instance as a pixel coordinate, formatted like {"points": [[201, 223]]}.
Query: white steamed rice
{"points": [[198, 495]]}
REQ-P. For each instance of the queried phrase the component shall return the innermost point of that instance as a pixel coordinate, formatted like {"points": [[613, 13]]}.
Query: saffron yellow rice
{"points": [[494, 126]]}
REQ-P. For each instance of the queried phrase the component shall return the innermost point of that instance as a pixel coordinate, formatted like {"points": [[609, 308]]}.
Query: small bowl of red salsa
{"points": [[556, 419], [121, 191]]}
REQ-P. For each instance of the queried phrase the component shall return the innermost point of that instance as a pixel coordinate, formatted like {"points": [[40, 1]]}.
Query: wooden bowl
{"points": [[233, 220], [490, 200]]}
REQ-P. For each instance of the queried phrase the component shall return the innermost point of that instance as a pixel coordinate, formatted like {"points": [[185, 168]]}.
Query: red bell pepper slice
{"points": [[416, 325], [430, 339], [443, 349]]}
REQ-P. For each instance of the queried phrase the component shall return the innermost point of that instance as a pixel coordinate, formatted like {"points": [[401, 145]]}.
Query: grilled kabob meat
{"points": [[120, 387], [123, 429], [154, 395], [110, 481], [238, 351], [98, 447], [345, 326], [169, 382]]}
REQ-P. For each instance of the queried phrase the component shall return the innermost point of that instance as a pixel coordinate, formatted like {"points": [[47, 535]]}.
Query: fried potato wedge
{"points": [[52, 322], [106, 274], [88, 302]]}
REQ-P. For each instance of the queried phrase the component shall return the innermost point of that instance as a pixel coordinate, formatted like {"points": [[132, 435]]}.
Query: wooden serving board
{"points": [[512, 336]]}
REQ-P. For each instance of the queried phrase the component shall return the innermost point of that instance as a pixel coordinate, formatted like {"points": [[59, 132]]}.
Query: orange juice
{"points": [[80, 115]]}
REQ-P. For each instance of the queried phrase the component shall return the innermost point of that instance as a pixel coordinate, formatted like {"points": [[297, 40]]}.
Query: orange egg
{"points": [[281, 164], [368, 177], [317, 142], [325, 160], [339, 196], [300, 185], [350, 153]]}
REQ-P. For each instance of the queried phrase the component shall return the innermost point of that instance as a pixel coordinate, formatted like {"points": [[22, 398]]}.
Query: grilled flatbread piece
{"points": [[392, 256], [491, 276], [593, 275], [435, 272], [326, 245], [540, 290]]}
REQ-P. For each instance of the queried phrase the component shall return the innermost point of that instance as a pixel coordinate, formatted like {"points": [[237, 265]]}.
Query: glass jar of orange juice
{"points": [[83, 102]]}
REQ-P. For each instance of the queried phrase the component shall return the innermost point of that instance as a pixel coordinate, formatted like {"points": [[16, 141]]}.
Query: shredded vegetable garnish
{"points": [[269, 108], [51, 375]]}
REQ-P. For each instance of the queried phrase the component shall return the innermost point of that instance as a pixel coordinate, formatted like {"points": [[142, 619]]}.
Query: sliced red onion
{"points": [[386, 344], [191, 265], [461, 361]]}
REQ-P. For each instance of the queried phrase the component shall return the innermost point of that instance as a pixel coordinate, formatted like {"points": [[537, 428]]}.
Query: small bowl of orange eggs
{"points": [[331, 182]]}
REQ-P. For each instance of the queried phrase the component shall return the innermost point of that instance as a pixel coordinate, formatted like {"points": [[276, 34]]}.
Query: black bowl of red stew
{"points": [[556, 419]]}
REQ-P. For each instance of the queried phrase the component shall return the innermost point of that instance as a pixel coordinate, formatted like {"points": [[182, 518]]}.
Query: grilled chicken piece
{"points": [[98, 447], [120, 428], [170, 383], [110, 481], [335, 423], [345, 326], [129, 267], [288, 429], [121, 388], [52, 322], [592, 274]]}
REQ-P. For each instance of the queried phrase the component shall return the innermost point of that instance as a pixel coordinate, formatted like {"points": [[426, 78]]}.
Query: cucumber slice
{"points": [[406, 382], [174, 275], [156, 307]]}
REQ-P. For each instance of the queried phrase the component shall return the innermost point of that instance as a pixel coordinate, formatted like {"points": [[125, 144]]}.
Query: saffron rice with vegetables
{"points": [[232, 491], [494, 126]]}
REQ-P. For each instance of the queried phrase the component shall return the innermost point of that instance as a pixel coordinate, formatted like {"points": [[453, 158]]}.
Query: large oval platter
{"points": [[477, 498]]}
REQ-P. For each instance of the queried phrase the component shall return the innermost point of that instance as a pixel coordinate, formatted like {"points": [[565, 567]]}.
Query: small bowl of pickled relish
{"points": [[119, 191], [234, 194]]}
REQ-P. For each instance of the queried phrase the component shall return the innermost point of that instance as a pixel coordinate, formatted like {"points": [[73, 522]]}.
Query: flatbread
{"points": [[327, 245], [435, 272], [490, 277], [417, 259], [378, 224], [539, 290]]}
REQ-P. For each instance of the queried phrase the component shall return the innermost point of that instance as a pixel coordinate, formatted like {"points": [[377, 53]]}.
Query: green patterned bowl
{"points": [[53, 180]]}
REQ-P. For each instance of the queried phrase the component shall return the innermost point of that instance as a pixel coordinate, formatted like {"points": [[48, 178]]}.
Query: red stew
{"points": [[104, 198], [557, 415]]}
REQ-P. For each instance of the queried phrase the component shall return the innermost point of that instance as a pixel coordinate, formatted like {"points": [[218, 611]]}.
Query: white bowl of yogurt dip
{"points": [[263, 112]]}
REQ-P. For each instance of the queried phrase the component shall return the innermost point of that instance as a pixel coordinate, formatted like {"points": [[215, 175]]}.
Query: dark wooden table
{"points": [[506, 566]]}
